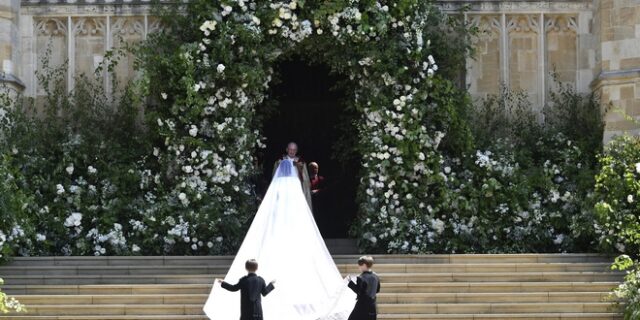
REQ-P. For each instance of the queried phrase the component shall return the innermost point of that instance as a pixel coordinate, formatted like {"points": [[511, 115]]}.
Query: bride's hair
{"points": [[251, 265]]}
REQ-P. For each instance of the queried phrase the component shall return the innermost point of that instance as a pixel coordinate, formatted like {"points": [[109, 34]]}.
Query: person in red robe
{"points": [[317, 181]]}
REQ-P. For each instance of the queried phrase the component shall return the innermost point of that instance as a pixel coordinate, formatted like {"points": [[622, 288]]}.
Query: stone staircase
{"points": [[436, 287]]}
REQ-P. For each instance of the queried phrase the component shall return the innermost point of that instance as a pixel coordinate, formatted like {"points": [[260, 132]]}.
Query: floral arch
{"points": [[206, 90]]}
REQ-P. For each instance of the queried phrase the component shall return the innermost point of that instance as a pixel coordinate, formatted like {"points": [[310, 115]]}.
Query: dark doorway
{"points": [[311, 112]]}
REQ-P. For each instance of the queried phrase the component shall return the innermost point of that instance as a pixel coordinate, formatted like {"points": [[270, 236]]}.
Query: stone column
{"points": [[9, 44], [618, 25]]}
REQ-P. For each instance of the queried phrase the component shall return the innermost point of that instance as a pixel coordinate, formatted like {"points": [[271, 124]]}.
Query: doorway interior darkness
{"points": [[309, 110]]}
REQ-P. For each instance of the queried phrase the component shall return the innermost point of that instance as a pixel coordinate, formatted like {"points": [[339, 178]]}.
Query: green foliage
{"points": [[520, 184], [617, 193], [8, 303], [629, 291]]}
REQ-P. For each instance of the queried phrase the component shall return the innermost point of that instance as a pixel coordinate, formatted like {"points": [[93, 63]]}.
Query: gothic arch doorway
{"points": [[308, 108]]}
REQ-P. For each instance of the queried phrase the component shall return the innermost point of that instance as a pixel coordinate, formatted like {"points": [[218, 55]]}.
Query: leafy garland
{"points": [[206, 89]]}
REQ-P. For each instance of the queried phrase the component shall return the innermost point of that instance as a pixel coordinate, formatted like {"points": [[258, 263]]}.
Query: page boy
{"points": [[251, 288], [367, 285]]}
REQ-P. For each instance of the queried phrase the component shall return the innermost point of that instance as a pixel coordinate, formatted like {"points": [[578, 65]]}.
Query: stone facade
{"points": [[593, 44], [618, 69]]}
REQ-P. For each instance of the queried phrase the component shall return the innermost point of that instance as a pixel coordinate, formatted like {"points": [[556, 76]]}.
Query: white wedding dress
{"points": [[286, 242]]}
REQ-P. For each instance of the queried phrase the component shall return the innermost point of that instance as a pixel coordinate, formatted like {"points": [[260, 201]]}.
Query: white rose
{"points": [[630, 198], [135, 248], [182, 196], [193, 131], [220, 68], [164, 96], [92, 170], [70, 169], [638, 167]]}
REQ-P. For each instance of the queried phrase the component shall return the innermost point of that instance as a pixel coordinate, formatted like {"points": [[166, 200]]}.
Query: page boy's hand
{"points": [[273, 281], [218, 280]]}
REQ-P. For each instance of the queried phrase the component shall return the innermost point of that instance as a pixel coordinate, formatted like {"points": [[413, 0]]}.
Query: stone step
{"points": [[423, 308], [498, 308], [387, 277], [436, 287], [496, 287], [351, 268], [342, 246], [522, 316], [534, 316], [519, 287], [339, 259], [385, 298], [107, 317]]}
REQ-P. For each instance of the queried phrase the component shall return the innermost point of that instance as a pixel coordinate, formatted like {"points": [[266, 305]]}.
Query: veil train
{"points": [[285, 240]]}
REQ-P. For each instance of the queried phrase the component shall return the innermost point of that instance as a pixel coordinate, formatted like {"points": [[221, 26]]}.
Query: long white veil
{"points": [[286, 242]]}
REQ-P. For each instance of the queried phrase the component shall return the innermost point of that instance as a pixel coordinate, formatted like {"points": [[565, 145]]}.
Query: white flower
{"points": [[219, 239], [193, 131], [437, 225], [40, 237], [220, 68], [70, 169], [208, 26], [156, 152], [559, 239], [630, 198], [92, 170], [226, 10], [194, 247], [210, 244], [160, 123], [135, 248], [73, 220], [620, 247], [277, 23], [164, 96], [182, 196], [638, 167], [187, 169], [447, 170]]}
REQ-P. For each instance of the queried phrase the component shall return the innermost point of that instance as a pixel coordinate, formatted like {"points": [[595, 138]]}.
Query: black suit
{"points": [[366, 287], [251, 287]]}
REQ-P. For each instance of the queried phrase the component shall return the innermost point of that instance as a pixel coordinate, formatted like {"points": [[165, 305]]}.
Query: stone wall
{"points": [[9, 43], [592, 44], [618, 81]]}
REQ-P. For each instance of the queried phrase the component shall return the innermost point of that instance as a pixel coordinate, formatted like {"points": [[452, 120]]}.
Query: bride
{"points": [[287, 244]]}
